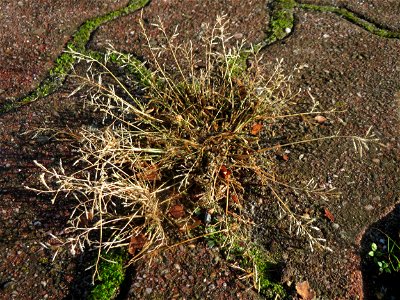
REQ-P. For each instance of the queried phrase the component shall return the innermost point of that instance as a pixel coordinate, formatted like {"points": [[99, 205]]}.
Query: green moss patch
{"points": [[266, 270], [281, 23], [110, 277]]}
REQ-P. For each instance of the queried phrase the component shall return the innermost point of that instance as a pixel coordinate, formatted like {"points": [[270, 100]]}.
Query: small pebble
{"points": [[376, 198], [335, 226], [148, 291], [288, 30], [207, 218], [369, 207], [37, 223], [9, 284]]}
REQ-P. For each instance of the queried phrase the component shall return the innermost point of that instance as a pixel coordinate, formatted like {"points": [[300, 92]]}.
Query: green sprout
{"points": [[387, 259]]}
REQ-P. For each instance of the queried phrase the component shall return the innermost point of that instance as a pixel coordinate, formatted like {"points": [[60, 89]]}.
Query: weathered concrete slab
{"points": [[33, 34], [384, 12], [347, 67], [248, 22]]}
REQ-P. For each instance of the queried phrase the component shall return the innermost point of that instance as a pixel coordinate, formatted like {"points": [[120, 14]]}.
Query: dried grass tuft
{"points": [[185, 138]]}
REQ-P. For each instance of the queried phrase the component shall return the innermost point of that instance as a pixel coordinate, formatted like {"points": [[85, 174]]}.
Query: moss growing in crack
{"points": [[130, 64], [111, 275], [82, 35], [63, 65], [265, 270], [353, 18], [281, 22]]}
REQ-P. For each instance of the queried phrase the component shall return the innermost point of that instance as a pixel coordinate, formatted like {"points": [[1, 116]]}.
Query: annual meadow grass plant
{"points": [[175, 144]]}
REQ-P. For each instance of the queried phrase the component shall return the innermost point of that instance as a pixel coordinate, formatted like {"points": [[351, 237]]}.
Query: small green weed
{"points": [[386, 258], [252, 260]]}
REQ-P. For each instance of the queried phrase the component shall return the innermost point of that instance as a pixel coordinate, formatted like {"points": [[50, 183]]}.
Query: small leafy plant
{"points": [[253, 261], [386, 258]]}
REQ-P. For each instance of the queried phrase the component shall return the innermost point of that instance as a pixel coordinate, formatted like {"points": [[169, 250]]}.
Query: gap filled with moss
{"points": [[111, 274]]}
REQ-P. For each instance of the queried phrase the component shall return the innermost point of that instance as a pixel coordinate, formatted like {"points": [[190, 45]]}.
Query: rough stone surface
{"points": [[33, 34], [383, 12]]}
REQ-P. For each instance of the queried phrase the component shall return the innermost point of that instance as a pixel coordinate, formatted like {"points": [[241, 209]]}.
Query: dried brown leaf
{"points": [[235, 199], [151, 173], [304, 290], [329, 215], [256, 128], [225, 172], [177, 211], [136, 243], [89, 215]]}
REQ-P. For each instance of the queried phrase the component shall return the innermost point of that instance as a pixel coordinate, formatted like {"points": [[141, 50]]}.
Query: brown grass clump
{"points": [[176, 148]]}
